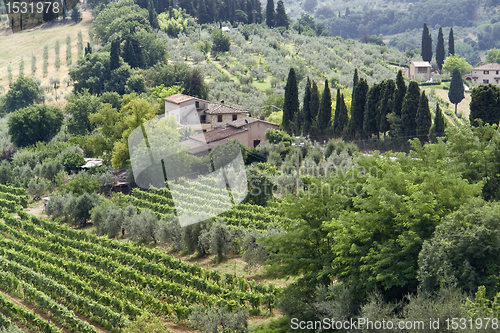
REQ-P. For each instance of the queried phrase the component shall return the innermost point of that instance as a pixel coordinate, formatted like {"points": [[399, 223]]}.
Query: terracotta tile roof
{"points": [[217, 108], [422, 64], [178, 98], [492, 66], [217, 134]]}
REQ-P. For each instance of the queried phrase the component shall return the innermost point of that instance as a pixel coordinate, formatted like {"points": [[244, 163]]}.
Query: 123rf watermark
{"points": [[455, 324]]}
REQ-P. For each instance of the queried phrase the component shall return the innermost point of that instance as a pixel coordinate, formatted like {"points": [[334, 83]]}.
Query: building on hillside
{"points": [[422, 69], [484, 74], [199, 114], [248, 131]]}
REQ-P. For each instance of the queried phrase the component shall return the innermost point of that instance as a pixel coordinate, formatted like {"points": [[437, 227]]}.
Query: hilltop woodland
{"points": [[411, 233]]}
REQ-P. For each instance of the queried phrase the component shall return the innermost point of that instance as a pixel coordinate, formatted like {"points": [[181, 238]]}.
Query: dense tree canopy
{"points": [[34, 123], [23, 92], [485, 105]]}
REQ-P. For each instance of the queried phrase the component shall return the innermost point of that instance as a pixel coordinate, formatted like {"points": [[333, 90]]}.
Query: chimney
{"points": [[221, 101], [262, 116]]}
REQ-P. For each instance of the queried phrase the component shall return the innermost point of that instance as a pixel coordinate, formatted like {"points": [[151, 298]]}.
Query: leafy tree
{"points": [[371, 118], [341, 119], [358, 103], [440, 53], [120, 18], [76, 15], [72, 162], [463, 250], [423, 119], [219, 319], [451, 43], [325, 111], [426, 44], [34, 123], [94, 74], [438, 126], [270, 13], [455, 61], [83, 182], [305, 119], [174, 21], [221, 42], [135, 83], [485, 105], [25, 91], [386, 105], [79, 107], [409, 110], [399, 94], [493, 55], [456, 93], [281, 18], [291, 104]]}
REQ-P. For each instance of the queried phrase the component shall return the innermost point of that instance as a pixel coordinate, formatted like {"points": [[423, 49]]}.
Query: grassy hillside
{"points": [[22, 45]]}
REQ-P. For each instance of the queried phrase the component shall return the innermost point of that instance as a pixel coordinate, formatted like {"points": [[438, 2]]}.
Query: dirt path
{"points": [[37, 210]]}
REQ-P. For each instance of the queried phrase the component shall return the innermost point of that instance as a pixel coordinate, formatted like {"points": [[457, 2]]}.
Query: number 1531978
{"points": [[38, 7]]}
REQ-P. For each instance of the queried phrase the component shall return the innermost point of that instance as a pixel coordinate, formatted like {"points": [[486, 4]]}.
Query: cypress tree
{"points": [[451, 43], [440, 53], [409, 110], [281, 18], [270, 13], [358, 107], [426, 44], [68, 51], [57, 61], [456, 93], [325, 110], [88, 49], [202, 12], [371, 117], [153, 16], [423, 119], [355, 79], [314, 103], [386, 105], [399, 94], [306, 112], [291, 103], [341, 119], [438, 127], [114, 59]]}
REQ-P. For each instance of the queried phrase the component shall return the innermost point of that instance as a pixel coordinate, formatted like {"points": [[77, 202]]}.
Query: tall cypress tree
{"points": [[423, 119], [358, 107], [153, 15], [440, 53], [438, 127], [451, 43], [485, 105], [341, 119], [325, 110], [314, 103], [456, 93], [371, 117], [355, 79], [409, 110], [426, 44], [399, 94], [202, 12], [270, 13], [291, 103], [281, 18], [386, 105], [114, 59], [306, 112]]}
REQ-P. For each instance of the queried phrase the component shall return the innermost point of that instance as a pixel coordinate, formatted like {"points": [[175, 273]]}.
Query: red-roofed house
{"points": [[485, 74], [199, 114]]}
